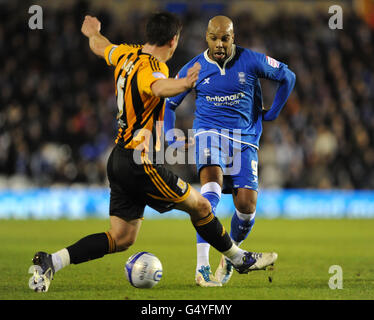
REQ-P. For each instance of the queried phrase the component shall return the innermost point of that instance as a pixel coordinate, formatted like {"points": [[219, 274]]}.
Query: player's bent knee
{"points": [[124, 244], [123, 232], [201, 210], [203, 206], [195, 205], [246, 206], [122, 241], [200, 206]]}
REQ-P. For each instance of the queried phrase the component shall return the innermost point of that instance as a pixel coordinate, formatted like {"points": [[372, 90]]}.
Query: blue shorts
{"points": [[238, 161]]}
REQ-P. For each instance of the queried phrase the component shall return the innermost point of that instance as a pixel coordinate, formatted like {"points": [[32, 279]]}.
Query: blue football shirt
{"points": [[229, 98]]}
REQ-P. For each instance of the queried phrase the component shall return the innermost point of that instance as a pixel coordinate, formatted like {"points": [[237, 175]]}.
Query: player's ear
{"points": [[173, 42]]}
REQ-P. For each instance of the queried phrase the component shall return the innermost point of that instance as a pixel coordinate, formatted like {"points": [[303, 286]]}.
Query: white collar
{"points": [[222, 70]]}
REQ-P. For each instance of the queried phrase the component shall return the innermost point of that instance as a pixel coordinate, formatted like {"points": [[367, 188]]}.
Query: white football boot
{"points": [[253, 261], [42, 270], [224, 271], [204, 278]]}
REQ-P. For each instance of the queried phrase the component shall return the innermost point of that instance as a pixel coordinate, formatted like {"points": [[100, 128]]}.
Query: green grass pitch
{"points": [[306, 248]]}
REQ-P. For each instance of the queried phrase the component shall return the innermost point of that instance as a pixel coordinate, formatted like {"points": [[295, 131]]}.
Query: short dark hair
{"points": [[162, 27]]}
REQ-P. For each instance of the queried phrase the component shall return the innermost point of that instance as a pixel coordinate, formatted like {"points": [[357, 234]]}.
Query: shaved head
{"points": [[220, 23], [220, 38]]}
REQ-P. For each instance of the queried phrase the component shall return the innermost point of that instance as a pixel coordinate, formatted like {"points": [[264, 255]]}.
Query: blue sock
{"points": [[212, 192], [240, 228]]}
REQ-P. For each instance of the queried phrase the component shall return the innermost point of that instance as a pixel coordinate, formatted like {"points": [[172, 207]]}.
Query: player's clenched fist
{"points": [[90, 26], [193, 74]]}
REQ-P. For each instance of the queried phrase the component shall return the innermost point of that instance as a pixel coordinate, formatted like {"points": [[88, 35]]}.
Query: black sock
{"points": [[213, 232], [91, 247]]}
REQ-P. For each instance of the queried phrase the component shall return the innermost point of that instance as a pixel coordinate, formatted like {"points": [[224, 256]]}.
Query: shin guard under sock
{"points": [[212, 231], [91, 247], [212, 192]]}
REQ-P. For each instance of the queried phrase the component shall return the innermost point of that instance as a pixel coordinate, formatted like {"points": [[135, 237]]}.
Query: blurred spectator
{"points": [[57, 103]]}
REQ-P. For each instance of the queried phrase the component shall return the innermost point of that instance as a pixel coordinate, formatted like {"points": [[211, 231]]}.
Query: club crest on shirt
{"points": [[241, 77], [181, 184]]}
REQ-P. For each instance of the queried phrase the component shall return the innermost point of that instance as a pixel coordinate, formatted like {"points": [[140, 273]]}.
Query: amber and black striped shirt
{"points": [[138, 109]]}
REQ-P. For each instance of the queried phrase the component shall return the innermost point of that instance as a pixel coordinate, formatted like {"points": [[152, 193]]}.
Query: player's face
{"points": [[219, 44]]}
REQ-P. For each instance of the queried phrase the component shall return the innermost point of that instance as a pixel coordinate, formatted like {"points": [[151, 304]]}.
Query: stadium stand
{"points": [[57, 105]]}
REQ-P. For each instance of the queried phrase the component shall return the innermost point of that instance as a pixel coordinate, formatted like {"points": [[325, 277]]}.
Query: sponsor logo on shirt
{"points": [[159, 75], [226, 100], [206, 81], [272, 62]]}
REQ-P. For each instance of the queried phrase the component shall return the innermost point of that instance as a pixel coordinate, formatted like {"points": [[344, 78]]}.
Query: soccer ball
{"points": [[143, 270]]}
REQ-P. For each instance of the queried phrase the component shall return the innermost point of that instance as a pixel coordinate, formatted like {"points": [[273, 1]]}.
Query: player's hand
{"points": [[90, 26], [182, 143], [264, 111], [193, 75], [188, 142]]}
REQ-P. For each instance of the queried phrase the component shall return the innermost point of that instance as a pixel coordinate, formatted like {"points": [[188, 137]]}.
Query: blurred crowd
{"points": [[57, 103]]}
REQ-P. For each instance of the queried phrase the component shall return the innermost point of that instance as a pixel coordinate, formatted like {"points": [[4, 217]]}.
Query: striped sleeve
{"points": [[151, 71], [113, 52]]}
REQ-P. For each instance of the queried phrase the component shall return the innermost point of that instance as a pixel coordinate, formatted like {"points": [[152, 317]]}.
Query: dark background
{"points": [[57, 102]]}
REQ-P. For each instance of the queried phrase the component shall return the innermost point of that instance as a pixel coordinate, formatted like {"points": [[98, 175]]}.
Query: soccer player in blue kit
{"points": [[228, 127]]}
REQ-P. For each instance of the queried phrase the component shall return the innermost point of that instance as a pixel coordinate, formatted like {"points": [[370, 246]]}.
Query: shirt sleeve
{"points": [[171, 104], [287, 83], [113, 52], [150, 72], [175, 101], [267, 67], [169, 122]]}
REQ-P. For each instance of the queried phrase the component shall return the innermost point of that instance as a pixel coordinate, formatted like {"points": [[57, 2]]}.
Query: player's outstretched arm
{"points": [[172, 87], [91, 29], [169, 126], [287, 83], [169, 122]]}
